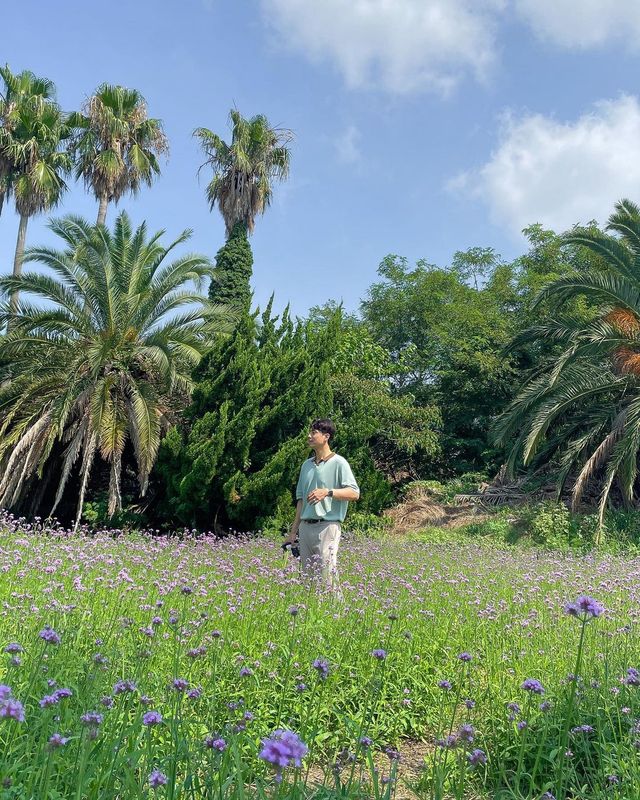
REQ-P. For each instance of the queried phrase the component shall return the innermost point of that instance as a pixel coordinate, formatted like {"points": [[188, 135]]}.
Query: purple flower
{"points": [[62, 693], [152, 718], [632, 678], [321, 665], [48, 700], [469, 703], [465, 656], [107, 701], [477, 757], [13, 647], [195, 693], [49, 635], [180, 684], [365, 741], [92, 719], [157, 778], [10, 708], [446, 685], [584, 607], [466, 733], [294, 610], [379, 653], [122, 687], [215, 743], [533, 686], [57, 740], [448, 742], [283, 749], [246, 672], [586, 729], [522, 724]]}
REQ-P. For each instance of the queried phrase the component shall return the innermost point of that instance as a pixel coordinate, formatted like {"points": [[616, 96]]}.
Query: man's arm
{"points": [[340, 494], [293, 533]]}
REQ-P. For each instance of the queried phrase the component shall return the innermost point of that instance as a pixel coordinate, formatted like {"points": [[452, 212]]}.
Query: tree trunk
{"points": [[102, 210], [17, 261]]}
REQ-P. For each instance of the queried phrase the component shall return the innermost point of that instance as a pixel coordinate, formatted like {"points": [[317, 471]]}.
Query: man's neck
{"points": [[322, 454]]}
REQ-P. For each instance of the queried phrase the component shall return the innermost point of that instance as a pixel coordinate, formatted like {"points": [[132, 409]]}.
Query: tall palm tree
{"points": [[242, 187], [18, 88], [583, 409], [245, 170], [33, 158], [108, 357], [116, 144]]}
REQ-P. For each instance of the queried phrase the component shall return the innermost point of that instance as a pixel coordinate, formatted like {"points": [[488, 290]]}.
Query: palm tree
{"points": [[108, 358], [25, 86], [584, 408], [33, 161], [245, 170], [116, 144], [242, 188]]}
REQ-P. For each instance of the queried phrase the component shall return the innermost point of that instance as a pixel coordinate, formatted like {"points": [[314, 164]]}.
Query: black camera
{"points": [[295, 550]]}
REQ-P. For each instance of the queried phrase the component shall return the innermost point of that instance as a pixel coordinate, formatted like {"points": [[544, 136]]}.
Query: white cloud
{"points": [[347, 145], [401, 46], [581, 24], [557, 173]]}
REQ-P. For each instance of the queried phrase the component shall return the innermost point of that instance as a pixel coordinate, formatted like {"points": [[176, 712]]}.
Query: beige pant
{"points": [[319, 545]]}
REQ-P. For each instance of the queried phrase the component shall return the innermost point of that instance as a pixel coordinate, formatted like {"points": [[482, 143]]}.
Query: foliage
{"points": [[106, 358], [583, 408], [236, 459], [234, 262], [173, 645], [245, 170], [116, 144]]}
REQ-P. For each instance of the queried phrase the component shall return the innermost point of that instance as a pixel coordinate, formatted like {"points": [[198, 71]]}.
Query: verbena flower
{"points": [[10, 708], [283, 749], [446, 685], [321, 665], [532, 685], [152, 718], [49, 635], [465, 656], [57, 740], [379, 653], [92, 719], [584, 607], [216, 743], [477, 757], [157, 779]]}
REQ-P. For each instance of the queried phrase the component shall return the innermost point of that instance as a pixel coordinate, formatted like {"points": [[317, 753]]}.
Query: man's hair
{"points": [[324, 426]]}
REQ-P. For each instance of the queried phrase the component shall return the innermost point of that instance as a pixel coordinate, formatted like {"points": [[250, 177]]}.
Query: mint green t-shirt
{"points": [[335, 473]]}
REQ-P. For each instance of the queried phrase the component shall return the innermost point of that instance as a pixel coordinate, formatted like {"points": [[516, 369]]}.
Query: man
{"points": [[325, 487]]}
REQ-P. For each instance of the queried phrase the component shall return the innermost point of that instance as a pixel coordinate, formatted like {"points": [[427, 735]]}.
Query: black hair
{"points": [[324, 426]]}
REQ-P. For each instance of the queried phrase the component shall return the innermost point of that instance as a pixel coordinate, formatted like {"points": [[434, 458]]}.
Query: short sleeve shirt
{"points": [[334, 473]]}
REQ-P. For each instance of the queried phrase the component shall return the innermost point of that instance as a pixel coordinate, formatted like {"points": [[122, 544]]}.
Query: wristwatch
{"points": [[330, 493]]}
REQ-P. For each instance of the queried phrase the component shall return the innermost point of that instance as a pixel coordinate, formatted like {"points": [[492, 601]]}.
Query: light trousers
{"points": [[319, 545]]}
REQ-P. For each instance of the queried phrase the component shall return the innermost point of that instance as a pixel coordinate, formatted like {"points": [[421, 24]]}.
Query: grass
{"points": [[431, 644]]}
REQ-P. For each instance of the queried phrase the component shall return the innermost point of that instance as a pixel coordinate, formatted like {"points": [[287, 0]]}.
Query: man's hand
{"points": [[293, 535], [316, 495]]}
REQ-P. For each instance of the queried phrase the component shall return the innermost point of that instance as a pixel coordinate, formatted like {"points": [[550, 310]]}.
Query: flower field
{"points": [[140, 667]]}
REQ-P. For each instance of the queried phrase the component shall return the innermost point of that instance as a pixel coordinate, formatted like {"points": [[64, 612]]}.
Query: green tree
{"points": [[116, 145], [107, 358], [33, 158], [582, 407], [236, 458], [242, 187]]}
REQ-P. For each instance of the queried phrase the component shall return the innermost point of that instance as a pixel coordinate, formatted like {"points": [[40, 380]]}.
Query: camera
{"points": [[295, 550]]}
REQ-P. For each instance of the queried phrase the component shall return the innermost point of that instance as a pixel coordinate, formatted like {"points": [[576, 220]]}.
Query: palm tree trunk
{"points": [[17, 261], [102, 210]]}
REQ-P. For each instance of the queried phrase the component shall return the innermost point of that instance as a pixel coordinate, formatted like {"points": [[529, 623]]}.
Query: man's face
{"points": [[317, 438]]}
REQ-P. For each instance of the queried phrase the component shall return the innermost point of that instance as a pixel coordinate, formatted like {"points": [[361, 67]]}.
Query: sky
{"points": [[422, 127]]}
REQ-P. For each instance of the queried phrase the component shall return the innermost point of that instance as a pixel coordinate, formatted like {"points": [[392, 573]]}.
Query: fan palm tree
{"points": [[17, 88], [107, 358], [33, 158], [584, 408], [245, 170], [116, 144]]}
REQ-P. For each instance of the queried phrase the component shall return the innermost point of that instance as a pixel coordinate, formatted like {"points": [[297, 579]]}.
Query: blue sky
{"points": [[422, 127]]}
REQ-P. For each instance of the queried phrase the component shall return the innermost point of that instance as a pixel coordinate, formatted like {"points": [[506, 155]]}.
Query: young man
{"points": [[325, 487]]}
